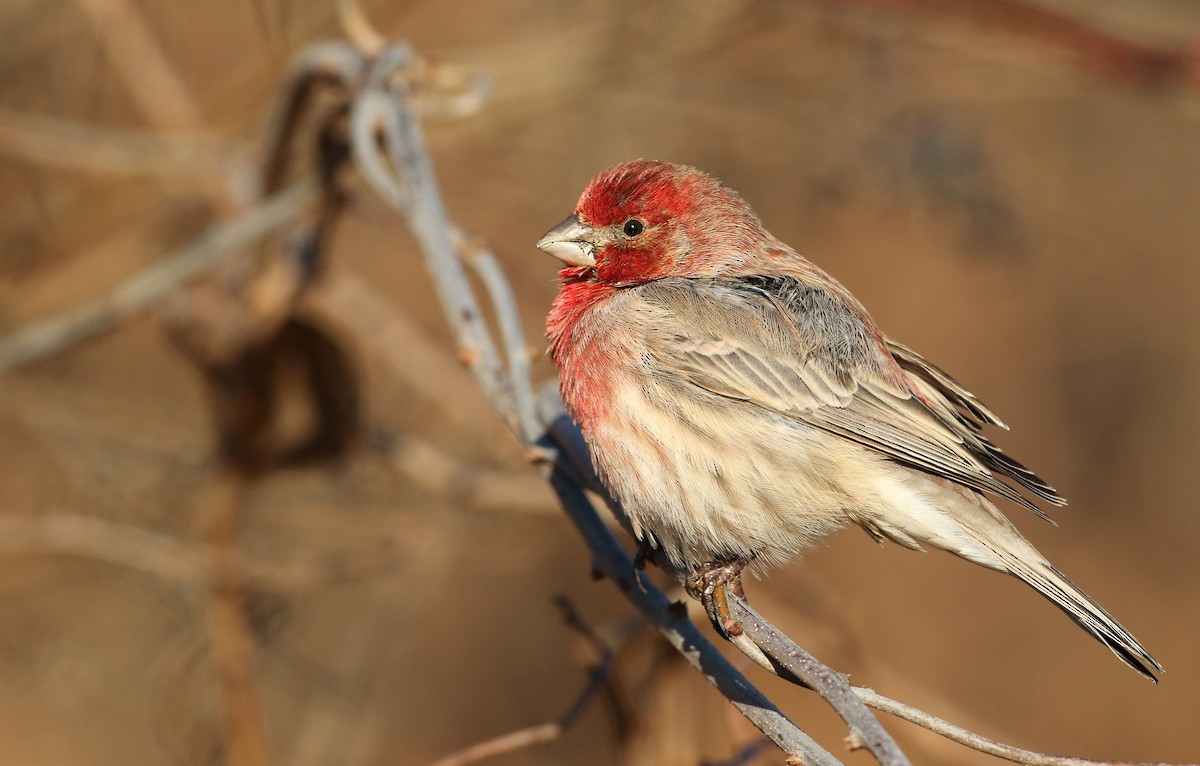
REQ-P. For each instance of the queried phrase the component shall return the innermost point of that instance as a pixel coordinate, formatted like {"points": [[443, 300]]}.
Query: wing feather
{"points": [[800, 352]]}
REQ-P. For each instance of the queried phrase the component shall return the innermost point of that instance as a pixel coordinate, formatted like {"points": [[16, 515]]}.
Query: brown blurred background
{"points": [[1014, 199]]}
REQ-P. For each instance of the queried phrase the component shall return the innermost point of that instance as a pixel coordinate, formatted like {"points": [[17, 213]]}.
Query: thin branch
{"points": [[94, 148], [359, 307], [175, 560], [321, 64], [787, 659], [790, 661], [366, 115], [143, 65], [358, 28], [156, 283], [611, 560], [516, 349], [230, 636], [551, 730], [445, 92], [426, 218], [977, 742], [475, 487]]}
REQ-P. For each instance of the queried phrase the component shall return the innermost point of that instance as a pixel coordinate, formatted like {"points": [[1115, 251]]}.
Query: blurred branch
{"points": [[230, 636], [482, 489], [1104, 53], [358, 29], [143, 65], [551, 730], [156, 283], [175, 560], [361, 308], [73, 145], [196, 158]]}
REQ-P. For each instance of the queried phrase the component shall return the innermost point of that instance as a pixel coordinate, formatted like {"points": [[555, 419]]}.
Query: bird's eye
{"points": [[633, 227]]}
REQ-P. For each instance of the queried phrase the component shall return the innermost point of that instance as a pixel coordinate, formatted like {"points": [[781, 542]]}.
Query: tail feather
{"points": [[1086, 613], [1017, 556], [967, 524]]}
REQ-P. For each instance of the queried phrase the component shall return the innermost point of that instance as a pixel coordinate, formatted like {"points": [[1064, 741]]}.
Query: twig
{"points": [[154, 284], [153, 83], [231, 639], [320, 64], [412, 190], [221, 169], [63, 143], [175, 560], [516, 349], [611, 560], [977, 742], [440, 473], [362, 309], [551, 730], [358, 28], [789, 660]]}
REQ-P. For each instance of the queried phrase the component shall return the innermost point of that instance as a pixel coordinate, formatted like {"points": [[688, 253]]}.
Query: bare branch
{"points": [[156, 283], [790, 661], [475, 487], [155, 86], [975, 741], [611, 560], [785, 658], [230, 636], [98, 149], [358, 28], [516, 349], [427, 219], [321, 64], [175, 560], [445, 92]]}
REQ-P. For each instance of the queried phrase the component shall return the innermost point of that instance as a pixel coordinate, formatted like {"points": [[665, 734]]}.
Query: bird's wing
{"points": [[807, 355]]}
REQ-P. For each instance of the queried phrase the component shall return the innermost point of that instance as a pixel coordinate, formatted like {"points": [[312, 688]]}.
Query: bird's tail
{"points": [[1033, 568], [969, 525]]}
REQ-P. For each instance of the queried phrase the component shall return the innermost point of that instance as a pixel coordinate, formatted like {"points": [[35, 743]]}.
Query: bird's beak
{"points": [[572, 242]]}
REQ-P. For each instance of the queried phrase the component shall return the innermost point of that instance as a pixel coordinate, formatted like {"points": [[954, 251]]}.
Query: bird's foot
{"points": [[709, 584], [645, 552]]}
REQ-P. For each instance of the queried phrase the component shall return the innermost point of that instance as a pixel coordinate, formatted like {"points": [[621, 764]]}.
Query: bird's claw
{"points": [[709, 584]]}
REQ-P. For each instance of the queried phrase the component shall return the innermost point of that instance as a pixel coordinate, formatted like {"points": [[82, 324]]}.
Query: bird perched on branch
{"points": [[740, 403]]}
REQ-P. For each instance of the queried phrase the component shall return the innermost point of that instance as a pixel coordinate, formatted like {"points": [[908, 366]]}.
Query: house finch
{"points": [[740, 403]]}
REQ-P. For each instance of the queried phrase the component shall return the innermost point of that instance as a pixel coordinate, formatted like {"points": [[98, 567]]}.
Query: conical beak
{"points": [[571, 242]]}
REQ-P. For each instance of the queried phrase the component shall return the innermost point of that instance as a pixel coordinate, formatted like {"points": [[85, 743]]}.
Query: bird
{"points": [[740, 404]]}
